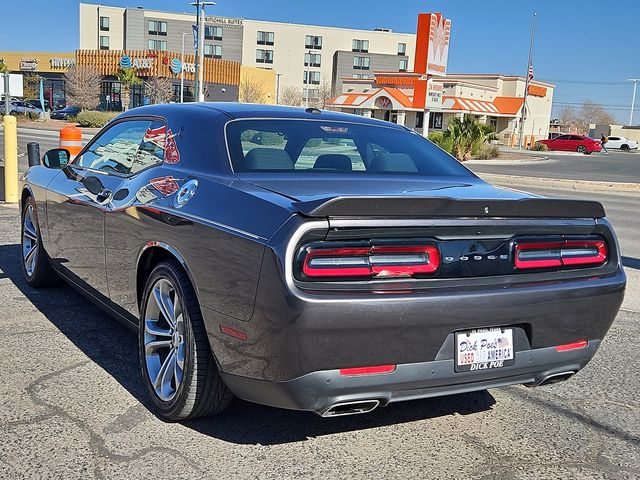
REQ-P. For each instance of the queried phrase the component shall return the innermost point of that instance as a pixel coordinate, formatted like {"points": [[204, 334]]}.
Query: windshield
{"points": [[304, 146]]}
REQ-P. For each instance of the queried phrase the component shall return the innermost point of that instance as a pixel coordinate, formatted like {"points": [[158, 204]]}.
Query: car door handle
{"points": [[103, 195]]}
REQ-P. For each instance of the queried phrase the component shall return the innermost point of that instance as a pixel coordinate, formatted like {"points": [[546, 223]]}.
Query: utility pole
{"points": [[7, 97], [182, 70], [526, 84], [633, 99]]}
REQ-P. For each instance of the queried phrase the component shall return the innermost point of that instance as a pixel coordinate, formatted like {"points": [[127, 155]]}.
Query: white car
{"points": [[622, 143]]}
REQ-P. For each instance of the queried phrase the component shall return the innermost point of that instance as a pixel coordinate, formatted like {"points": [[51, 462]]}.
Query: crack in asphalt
{"points": [[96, 442]]}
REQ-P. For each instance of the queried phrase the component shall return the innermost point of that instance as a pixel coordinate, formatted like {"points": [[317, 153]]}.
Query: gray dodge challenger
{"points": [[315, 260]]}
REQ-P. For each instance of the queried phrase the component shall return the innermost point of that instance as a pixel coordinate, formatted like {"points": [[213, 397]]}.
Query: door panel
{"points": [[83, 192], [76, 223]]}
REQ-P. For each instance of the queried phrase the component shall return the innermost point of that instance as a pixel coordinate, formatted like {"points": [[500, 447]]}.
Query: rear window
{"points": [[305, 146]]}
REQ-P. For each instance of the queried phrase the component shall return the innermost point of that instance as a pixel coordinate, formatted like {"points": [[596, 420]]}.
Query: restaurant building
{"points": [[223, 78], [493, 99]]}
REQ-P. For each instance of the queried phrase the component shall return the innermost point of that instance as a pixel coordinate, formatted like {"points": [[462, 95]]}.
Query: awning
{"points": [[500, 106]]}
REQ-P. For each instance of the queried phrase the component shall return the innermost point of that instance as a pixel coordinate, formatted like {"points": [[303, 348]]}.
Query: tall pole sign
{"points": [[433, 36]]}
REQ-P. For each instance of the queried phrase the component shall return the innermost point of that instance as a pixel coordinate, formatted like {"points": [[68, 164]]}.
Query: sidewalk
{"points": [[50, 126]]}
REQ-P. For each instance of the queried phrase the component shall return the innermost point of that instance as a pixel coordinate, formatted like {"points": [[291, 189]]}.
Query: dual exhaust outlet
{"points": [[351, 408]]}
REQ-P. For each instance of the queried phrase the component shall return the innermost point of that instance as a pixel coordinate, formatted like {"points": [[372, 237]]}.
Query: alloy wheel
{"points": [[164, 340], [30, 244]]}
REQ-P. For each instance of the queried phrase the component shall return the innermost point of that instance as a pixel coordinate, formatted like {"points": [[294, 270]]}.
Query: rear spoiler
{"points": [[449, 207]]}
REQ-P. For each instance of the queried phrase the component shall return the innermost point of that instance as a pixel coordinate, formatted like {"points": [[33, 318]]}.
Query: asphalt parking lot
{"points": [[72, 406]]}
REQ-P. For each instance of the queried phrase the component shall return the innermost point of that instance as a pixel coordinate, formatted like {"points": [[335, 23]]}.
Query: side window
{"points": [[563, 137], [576, 137], [330, 153], [126, 148]]}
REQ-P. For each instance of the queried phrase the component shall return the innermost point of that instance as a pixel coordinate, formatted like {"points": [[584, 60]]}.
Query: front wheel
{"points": [[581, 149], [35, 261], [624, 148], [178, 368]]}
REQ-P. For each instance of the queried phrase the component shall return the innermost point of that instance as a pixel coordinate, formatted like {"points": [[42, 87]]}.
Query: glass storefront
{"points": [[54, 92]]}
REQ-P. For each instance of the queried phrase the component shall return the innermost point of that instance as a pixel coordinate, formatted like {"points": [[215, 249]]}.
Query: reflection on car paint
{"points": [[185, 194], [145, 195], [165, 185], [171, 152]]}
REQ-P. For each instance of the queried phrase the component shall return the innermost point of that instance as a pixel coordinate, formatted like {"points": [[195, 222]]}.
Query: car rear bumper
{"points": [[319, 391]]}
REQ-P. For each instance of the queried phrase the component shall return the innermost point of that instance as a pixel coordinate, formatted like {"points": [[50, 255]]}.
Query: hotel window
{"points": [[157, 28], [212, 33], [265, 38], [314, 78], [313, 42], [360, 46], [158, 45], [104, 43], [314, 93], [312, 60], [402, 49], [213, 51], [360, 75], [264, 56], [104, 24], [361, 63], [404, 63]]}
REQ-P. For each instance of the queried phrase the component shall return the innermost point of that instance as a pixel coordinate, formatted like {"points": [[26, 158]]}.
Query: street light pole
{"points": [[306, 101], [200, 4], [197, 41], [633, 99], [182, 70], [278, 75]]}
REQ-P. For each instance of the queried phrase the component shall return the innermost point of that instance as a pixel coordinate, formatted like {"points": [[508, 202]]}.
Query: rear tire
{"points": [[178, 368], [36, 265], [581, 149]]}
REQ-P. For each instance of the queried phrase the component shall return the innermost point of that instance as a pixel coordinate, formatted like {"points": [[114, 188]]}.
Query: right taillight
{"points": [[560, 253]]}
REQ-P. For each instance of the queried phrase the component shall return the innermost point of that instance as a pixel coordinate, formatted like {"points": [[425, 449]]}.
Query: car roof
{"points": [[251, 110]]}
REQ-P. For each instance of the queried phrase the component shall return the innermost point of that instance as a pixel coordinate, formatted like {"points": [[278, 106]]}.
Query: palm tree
{"points": [[468, 136], [127, 77], [3, 67]]}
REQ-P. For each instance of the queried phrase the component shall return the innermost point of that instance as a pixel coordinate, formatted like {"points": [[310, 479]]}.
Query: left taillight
{"points": [[370, 261], [563, 253]]}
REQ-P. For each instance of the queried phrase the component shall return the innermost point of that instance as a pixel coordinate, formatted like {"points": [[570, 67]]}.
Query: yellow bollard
{"points": [[10, 159]]}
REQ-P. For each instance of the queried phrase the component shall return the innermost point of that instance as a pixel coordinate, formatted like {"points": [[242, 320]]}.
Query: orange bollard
{"points": [[71, 139]]}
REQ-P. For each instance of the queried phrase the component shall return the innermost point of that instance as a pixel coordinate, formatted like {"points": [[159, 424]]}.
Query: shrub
{"points": [[540, 147], [487, 151], [445, 142], [93, 118]]}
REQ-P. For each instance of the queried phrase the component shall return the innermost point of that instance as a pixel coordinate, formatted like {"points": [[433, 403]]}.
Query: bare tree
{"points": [[291, 96], [251, 91], [593, 113], [325, 93], [31, 86], [569, 119], [159, 89], [82, 86]]}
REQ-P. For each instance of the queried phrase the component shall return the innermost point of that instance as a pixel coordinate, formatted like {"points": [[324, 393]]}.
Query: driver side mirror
{"points": [[56, 158]]}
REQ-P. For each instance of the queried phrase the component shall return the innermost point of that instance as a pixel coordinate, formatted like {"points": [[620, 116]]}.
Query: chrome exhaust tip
{"points": [[555, 378], [351, 408]]}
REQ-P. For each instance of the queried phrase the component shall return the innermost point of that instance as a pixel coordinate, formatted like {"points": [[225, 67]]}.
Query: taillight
{"points": [[371, 261], [377, 370], [560, 253]]}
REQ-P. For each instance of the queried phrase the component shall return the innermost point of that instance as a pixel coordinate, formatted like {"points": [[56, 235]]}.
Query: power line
{"points": [[586, 82]]}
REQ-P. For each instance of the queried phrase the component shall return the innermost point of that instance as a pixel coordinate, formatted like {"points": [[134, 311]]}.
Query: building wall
{"points": [[380, 62], [289, 47], [134, 28], [44, 61], [266, 79], [89, 26]]}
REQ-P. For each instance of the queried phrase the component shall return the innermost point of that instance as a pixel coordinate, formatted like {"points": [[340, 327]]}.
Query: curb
{"points": [[498, 161], [586, 185]]}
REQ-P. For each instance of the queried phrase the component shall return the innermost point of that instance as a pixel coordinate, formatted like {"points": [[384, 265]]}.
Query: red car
{"points": [[573, 143]]}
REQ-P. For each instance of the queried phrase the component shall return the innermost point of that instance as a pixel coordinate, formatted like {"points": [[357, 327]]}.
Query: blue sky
{"points": [[587, 47]]}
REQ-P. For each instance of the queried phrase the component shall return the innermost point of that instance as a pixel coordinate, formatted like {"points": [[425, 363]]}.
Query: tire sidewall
{"points": [[176, 404], [30, 202]]}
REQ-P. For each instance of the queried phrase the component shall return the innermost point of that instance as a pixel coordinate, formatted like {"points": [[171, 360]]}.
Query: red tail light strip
{"points": [[572, 346], [559, 254], [379, 261], [349, 372]]}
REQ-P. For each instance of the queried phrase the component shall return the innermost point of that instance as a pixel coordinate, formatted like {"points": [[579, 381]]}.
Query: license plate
{"points": [[484, 349]]}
